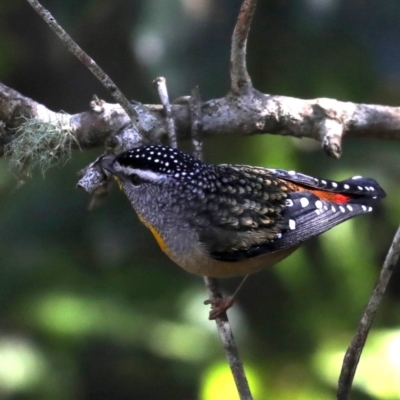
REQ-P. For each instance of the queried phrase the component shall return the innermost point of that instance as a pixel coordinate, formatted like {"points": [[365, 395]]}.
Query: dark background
{"points": [[89, 306]]}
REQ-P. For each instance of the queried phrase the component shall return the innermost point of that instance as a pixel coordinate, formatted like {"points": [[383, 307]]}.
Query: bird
{"points": [[229, 220]]}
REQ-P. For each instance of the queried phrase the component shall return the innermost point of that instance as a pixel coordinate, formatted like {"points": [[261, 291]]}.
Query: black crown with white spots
{"points": [[161, 159]]}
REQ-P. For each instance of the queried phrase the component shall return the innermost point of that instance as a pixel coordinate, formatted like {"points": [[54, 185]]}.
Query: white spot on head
{"points": [[318, 204], [342, 209], [349, 207], [334, 184], [346, 186], [356, 177], [304, 202], [292, 224]]}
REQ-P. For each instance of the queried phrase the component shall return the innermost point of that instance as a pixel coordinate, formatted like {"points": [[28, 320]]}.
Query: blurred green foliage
{"points": [[91, 309]]}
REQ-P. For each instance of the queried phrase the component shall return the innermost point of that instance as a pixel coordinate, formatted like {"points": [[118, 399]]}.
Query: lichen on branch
{"points": [[39, 144]]}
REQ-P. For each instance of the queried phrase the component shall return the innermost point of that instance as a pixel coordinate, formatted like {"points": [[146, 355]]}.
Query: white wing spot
{"points": [[291, 172], [334, 184], [371, 188], [364, 208], [292, 224], [349, 207], [318, 204], [304, 202], [318, 212], [272, 170], [356, 177], [278, 235], [289, 202], [359, 187], [374, 197], [323, 182], [369, 209], [342, 209], [326, 207], [333, 209], [346, 186]]}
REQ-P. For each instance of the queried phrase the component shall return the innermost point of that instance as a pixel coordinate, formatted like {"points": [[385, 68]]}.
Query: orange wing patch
{"points": [[338, 198]]}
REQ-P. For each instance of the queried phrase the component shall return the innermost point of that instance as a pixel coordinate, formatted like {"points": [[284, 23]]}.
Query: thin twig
{"points": [[223, 325], [240, 79], [228, 341], [353, 353], [84, 58], [196, 124], [161, 87]]}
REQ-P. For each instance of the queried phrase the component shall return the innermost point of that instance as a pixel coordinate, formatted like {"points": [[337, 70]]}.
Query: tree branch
{"points": [[322, 119], [240, 79], [353, 353], [161, 87]]}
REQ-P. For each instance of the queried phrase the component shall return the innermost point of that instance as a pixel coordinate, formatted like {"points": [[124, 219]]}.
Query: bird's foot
{"points": [[219, 306]]}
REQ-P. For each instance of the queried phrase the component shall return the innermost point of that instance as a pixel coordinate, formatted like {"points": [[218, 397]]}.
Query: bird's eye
{"points": [[136, 180]]}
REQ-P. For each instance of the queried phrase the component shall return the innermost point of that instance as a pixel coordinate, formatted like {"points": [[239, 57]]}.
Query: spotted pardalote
{"points": [[227, 220]]}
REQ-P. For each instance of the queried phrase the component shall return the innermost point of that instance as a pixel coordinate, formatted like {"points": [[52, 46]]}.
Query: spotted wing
{"points": [[241, 211], [352, 187], [312, 206], [321, 204]]}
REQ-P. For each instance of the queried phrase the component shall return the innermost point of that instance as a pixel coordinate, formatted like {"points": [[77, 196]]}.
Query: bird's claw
{"points": [[219, 306]]}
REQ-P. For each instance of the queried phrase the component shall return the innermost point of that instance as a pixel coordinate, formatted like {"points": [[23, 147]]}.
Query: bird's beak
{"points": [[106, 163]]}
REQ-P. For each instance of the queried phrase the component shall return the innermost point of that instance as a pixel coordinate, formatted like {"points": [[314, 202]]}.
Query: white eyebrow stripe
{"points": [[145, 174]]}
